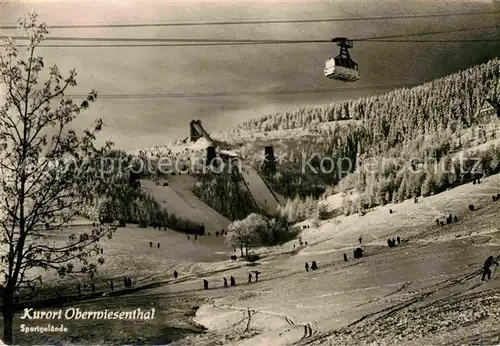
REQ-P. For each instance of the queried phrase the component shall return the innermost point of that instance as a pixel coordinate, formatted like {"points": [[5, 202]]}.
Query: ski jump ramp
{"points": [[200, 130], [184, 204], [260, 192]]}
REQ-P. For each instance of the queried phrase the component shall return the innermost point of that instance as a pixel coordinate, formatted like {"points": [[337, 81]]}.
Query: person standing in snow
{"points": [[486, 269]]}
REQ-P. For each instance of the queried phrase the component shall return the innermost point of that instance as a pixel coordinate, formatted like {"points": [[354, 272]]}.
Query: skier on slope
{"points": [[486, 269]]}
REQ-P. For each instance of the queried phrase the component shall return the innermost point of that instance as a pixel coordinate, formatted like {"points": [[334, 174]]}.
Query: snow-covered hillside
{"points": [[243, 135]]}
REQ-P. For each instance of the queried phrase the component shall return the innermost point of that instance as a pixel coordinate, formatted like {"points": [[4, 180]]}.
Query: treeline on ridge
{"points": [[427, 121]]}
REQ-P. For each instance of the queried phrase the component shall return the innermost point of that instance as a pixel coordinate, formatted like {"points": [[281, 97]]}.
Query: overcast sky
{"points": [[134, 123]]}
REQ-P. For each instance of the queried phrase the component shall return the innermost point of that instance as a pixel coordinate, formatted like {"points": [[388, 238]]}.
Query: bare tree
{"points": [[47, 172]]}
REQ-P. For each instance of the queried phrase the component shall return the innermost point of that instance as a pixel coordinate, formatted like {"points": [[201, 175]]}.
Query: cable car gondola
{"points": [[342, 67]]}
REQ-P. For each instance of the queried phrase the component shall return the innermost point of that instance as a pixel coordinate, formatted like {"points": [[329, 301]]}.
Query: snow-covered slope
{"points": [[428, 287], [333, 203], [260, 192], [184, 204]]}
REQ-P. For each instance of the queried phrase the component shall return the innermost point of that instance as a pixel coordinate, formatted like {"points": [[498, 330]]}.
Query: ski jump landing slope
{"points": [[260, 192], [183, 203]]}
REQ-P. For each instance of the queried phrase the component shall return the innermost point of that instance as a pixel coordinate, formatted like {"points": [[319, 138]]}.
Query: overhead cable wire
{"points": [[256, 22], [182, 42], [239, 44], [452, 31], [241, 93], [434, 41], [265, 41]]}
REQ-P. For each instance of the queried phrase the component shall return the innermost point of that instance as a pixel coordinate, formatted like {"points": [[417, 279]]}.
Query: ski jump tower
{"points": [[196, 131]]}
